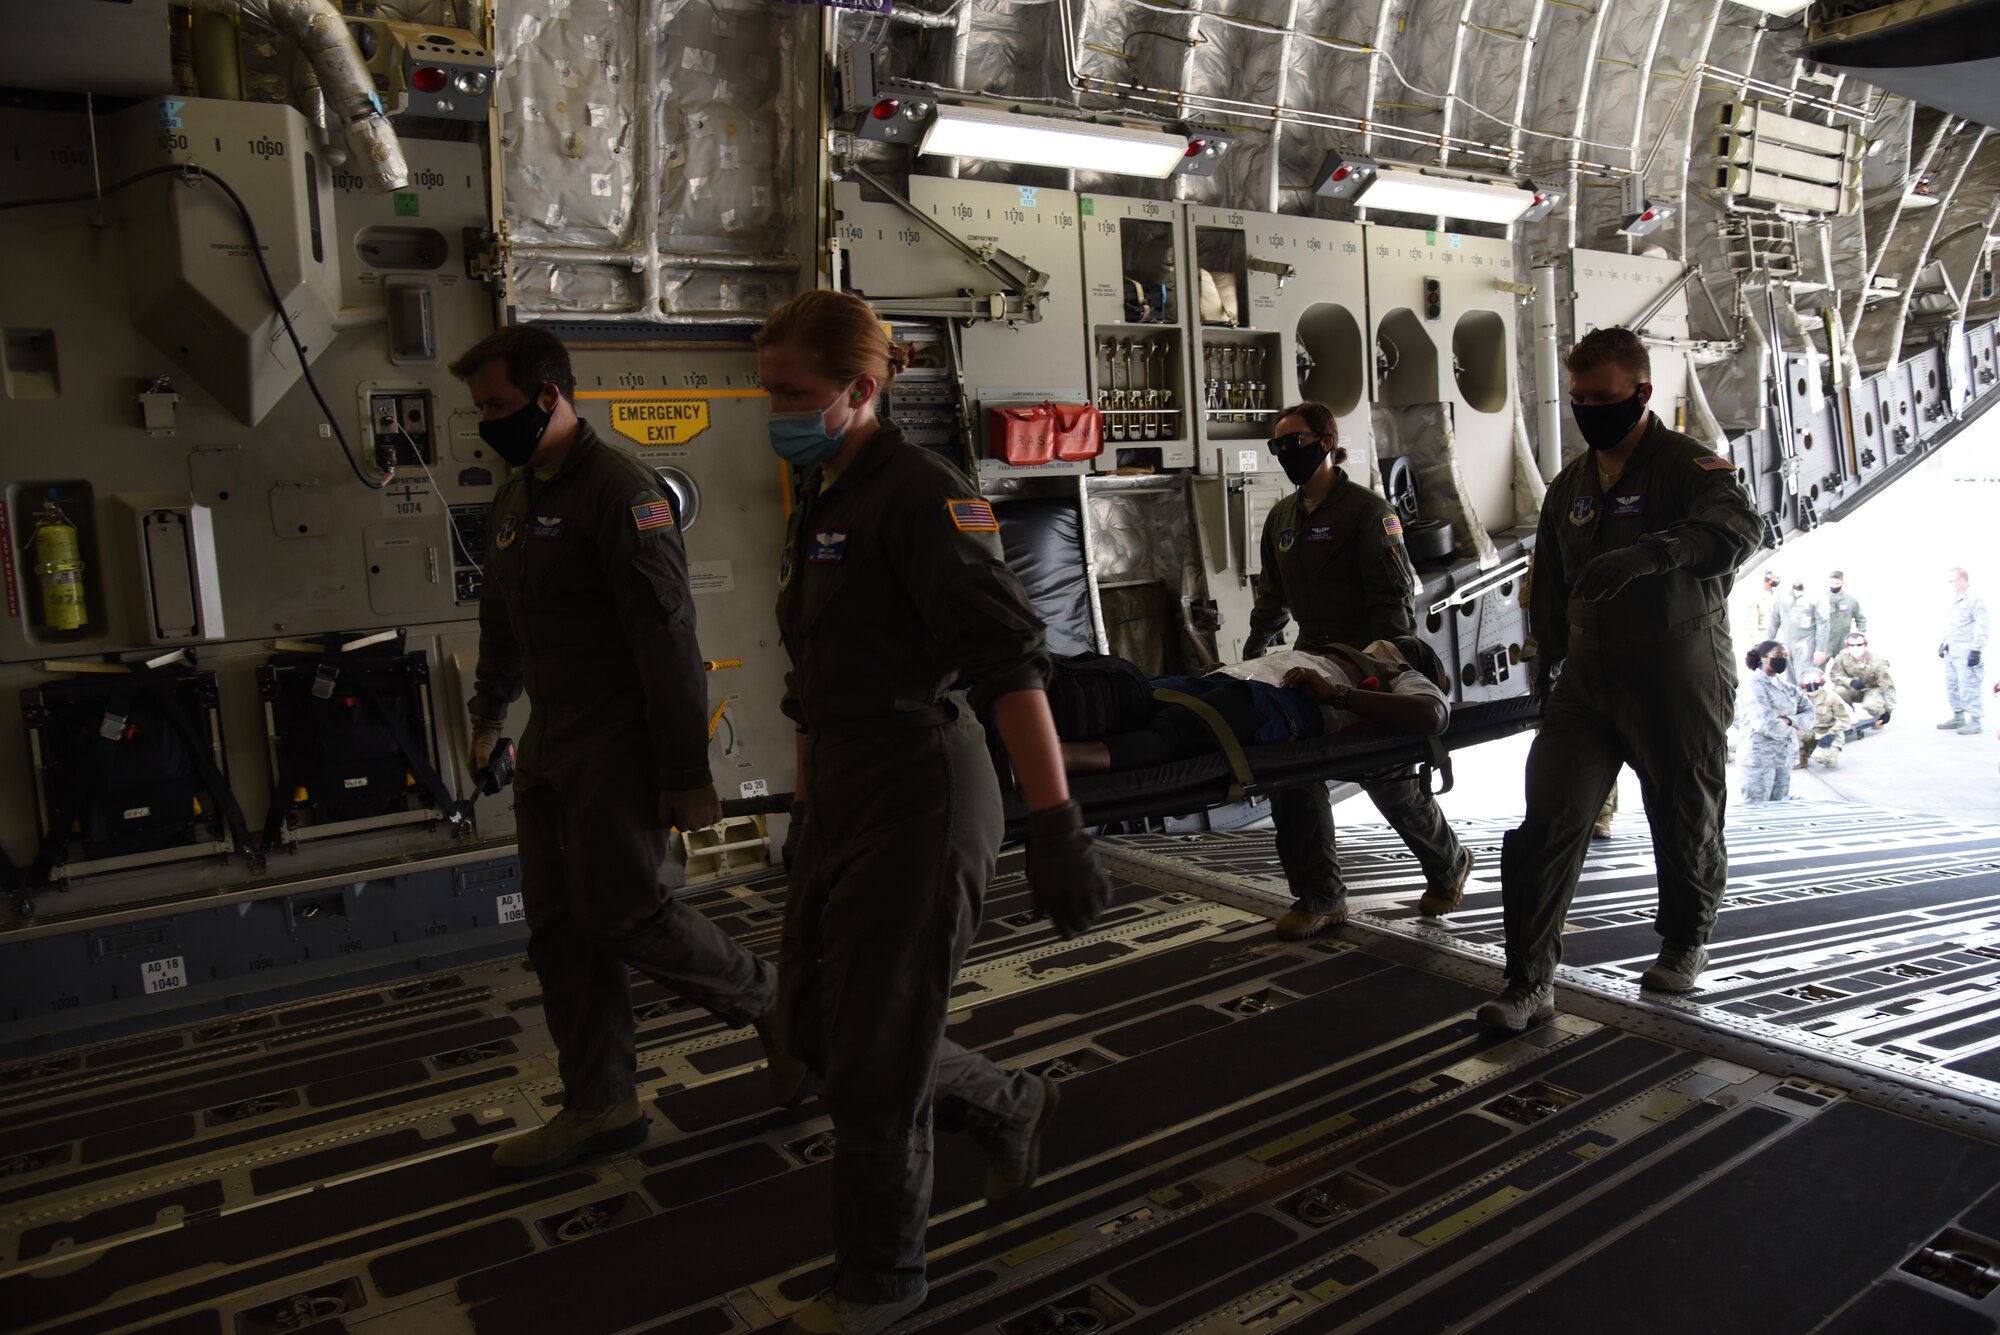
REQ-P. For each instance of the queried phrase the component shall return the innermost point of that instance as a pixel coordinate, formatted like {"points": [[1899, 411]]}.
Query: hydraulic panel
{"points": [[1282, 302], [1136, 297]]}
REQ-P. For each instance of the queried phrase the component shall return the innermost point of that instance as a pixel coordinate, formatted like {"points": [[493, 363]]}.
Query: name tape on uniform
{"points": [[658, 423], [973, 516]]}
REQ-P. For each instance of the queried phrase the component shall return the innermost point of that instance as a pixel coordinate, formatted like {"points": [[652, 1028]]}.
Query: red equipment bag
{"points": [[1045, 433]]}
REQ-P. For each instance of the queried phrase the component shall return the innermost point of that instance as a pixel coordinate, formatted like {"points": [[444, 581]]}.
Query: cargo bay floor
{"points": [[1254, 1136]]}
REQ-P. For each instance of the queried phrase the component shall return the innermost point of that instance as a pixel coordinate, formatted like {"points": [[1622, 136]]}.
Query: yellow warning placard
{"points": [[659, 422]]}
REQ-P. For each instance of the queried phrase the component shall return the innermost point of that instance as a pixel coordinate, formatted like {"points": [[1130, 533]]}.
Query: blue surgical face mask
{"points": [[803, 439]]}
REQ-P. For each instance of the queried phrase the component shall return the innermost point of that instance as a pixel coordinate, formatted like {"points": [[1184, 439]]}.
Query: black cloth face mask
{"points": [[1605, 424], [515, 436], [1301, 462]]}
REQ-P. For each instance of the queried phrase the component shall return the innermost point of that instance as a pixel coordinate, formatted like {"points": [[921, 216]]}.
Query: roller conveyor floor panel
{"points": [[1253, 1135]]}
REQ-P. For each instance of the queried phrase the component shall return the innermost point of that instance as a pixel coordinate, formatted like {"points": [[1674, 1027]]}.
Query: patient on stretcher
{"points": [[1287, 695]]}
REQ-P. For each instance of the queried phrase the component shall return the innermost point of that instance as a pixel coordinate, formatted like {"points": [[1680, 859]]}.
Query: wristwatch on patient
{"points": [[1341, 690]]}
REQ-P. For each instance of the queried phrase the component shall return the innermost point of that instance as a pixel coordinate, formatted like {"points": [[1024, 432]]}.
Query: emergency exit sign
{"points": [[658, 422]]}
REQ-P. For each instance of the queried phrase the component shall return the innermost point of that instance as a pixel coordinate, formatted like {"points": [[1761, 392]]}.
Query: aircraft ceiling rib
{"points": [[1881, 340]]}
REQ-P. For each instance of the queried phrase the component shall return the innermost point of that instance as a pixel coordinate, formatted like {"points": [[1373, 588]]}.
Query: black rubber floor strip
{"points": [[355, 1156], [1856, 1190], [275, 1129], [269, 1243], [136, 1105], [1907, 1310], [1518, 1247], [436, 1260], [123, 1217], [772, 1226], [1445, 1178]]}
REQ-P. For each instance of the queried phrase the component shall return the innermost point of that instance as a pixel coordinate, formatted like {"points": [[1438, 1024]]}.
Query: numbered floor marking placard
{"points": [[163, 975]]}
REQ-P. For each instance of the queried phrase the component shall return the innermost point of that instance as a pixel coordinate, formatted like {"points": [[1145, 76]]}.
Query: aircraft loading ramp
{"points": [[1253, 1135]]}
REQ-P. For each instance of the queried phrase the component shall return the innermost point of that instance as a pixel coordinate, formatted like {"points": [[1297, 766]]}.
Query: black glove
{"points": [[1972, 659], [1942, 651], [1069, 885], [1856, 684], [1825, 741], [1543, 680], [788, 852], [1605, 575]]}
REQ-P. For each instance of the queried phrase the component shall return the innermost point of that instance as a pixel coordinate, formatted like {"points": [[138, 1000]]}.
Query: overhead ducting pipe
{"points": [[321, 35], [1548, 372]]}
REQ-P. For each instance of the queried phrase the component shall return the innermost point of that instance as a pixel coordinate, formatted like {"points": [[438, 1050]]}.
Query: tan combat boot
{"points": [[569, 1136]]}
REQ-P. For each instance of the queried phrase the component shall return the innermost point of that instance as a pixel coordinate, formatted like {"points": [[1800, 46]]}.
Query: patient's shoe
{"points": [[1302, 923]]}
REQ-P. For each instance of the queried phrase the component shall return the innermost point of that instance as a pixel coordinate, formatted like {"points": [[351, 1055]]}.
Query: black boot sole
{"points": [[604, 1142]]}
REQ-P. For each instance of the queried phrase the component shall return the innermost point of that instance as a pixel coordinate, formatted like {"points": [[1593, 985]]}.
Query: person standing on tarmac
{"points": [[1961, 649], [1333, 559], [586, 606], [1766, 605], [1801, 628], [901, 621], [1775, 715], [1638, 542], [1843, 616]]}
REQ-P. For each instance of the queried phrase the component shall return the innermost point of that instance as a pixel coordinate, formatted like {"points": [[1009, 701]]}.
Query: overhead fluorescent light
{"points": [[1448, 197], [1371, 185], [1042, 141], [1783, 9]]}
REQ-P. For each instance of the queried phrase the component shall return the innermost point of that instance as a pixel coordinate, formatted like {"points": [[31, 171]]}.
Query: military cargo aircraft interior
{"points": [[689, 665]]}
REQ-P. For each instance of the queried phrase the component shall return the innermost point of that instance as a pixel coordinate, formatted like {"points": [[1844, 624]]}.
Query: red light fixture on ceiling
{"points": [[886, 109], [429, 79]]}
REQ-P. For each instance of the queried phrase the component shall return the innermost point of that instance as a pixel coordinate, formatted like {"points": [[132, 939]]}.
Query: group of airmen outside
{"points": [[1816, 683]]}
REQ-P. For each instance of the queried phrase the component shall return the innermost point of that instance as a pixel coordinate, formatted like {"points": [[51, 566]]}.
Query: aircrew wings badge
{"points": [[973, 516]]}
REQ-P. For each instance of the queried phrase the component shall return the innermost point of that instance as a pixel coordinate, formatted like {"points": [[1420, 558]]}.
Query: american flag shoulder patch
{"points": [[1392, 525], [652, 514], [974, 516], [1714, 463]]}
